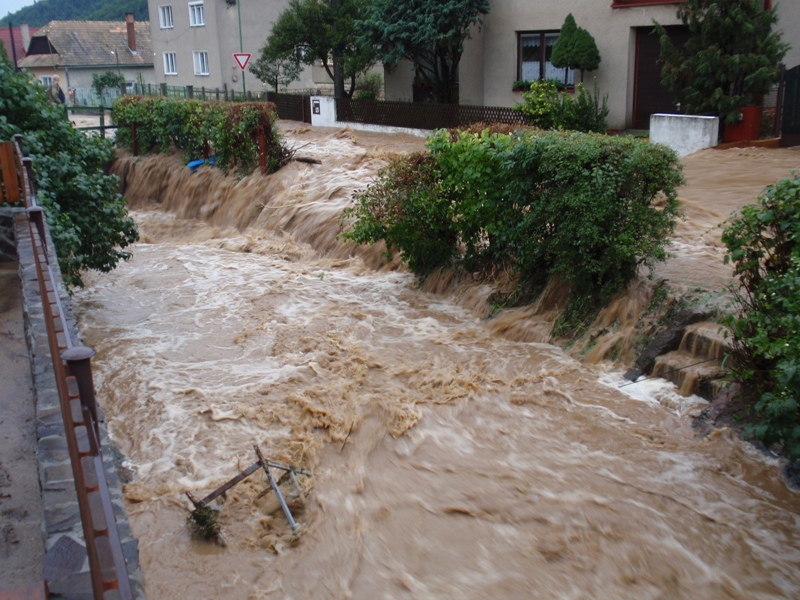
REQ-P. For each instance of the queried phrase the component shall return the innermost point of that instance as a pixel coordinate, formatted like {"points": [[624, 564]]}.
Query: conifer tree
{"points": [[732, 56], [575, 48], [563, 48], [584, 53]]}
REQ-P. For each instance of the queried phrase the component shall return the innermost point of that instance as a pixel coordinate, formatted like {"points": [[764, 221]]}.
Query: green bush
{"points": [[86, 214], [405, 208], [371, 81], [588, 208], [548, 108], [227, 128], [763, 243], [364, 95], [107, 80]]}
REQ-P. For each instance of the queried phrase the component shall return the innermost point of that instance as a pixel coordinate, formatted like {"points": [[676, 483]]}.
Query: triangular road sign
{"points": [[242, 59]]}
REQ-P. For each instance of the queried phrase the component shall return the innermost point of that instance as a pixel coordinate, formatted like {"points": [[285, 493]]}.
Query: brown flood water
{"points": [[449, 460]]}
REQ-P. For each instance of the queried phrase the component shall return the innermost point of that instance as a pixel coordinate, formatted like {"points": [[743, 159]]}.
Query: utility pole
{"points": [[241, 44], [338, 75]]}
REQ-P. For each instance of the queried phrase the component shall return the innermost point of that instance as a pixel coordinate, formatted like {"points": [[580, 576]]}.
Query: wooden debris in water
{"points": [[203, 518]]}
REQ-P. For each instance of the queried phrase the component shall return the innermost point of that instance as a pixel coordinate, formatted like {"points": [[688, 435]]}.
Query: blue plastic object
{"points": [[195, 164]]}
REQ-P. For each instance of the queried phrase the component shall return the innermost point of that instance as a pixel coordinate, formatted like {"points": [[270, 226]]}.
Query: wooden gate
{"points": [[790, 122]]}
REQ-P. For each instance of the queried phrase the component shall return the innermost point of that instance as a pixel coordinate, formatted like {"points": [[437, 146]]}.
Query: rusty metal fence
{"points": [[73, 374], [423, 115]]}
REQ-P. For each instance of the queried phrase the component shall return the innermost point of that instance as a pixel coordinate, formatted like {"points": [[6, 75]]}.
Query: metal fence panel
{"points": [[422, 115]]}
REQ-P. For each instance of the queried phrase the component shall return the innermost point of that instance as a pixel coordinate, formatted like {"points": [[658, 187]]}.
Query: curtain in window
{"points": [[550, 72], [531, 56]]}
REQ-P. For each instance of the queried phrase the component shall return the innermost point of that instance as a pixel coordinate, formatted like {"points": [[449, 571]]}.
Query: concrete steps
{"points": [[696, 366]]}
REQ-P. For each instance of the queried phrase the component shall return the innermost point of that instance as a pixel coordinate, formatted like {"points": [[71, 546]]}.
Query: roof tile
{"points": [[88, 43]]}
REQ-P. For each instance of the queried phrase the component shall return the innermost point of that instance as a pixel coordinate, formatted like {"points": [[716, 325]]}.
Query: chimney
{"points": [[131, 31], [26, 36]]}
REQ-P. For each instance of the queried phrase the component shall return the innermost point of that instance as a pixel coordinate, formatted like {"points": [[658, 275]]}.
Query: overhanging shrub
{"points": [[227, 128], [588, 208], [763, 243], [85, 212]]}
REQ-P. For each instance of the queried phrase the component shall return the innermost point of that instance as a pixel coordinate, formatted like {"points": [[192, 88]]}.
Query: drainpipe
{"points": [[13, 45]]}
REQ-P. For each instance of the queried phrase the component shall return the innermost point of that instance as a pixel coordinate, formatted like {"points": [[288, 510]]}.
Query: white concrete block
{"points": [[323, 111], [323, 114], [684, 133]]}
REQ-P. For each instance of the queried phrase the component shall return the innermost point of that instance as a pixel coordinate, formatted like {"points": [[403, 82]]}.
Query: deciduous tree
{"points": [[107, 80], [276, 71], [86, 214], [429, 34], [324, 30]]}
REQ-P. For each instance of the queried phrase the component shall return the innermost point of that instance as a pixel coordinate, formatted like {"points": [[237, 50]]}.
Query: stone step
{"points": [[681, 368], [705, 340]]}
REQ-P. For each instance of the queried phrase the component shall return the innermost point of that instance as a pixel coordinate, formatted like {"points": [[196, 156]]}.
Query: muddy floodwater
{"points": [[448, 461]]}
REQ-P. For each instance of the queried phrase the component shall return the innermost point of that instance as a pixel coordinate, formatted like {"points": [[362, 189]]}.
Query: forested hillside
{"points": [[44, 11]]}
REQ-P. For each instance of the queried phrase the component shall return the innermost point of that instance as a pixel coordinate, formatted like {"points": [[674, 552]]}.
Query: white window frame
{"points": [[197, 16], [46, 80], [200, 60], [165, 16], [170, 60]]}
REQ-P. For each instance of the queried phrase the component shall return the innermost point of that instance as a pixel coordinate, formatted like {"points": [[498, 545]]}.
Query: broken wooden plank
{"points": [[241, 476]]}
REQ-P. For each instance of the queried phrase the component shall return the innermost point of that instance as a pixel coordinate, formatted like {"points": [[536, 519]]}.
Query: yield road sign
{"points": [[242, 59]]}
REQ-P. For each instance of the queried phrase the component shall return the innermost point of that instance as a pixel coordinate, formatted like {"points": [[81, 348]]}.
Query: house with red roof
{"points": [[16, 40]]}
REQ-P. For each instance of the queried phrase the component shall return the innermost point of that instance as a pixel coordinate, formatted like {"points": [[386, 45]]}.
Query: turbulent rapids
{"points": [[453, 455]]}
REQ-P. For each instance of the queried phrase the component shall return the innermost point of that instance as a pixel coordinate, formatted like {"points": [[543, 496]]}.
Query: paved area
{"points": [[21, 512], [41, 535]]}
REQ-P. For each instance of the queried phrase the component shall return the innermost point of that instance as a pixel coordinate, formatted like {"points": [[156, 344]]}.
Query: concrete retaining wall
{"points": [[66, 567], [684, 133]]}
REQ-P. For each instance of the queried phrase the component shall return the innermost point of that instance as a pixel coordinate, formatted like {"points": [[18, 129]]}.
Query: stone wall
{"points": [[66, 566]]}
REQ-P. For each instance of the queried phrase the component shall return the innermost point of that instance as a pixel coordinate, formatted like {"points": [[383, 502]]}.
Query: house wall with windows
{"points": [[517, 32], [76, 50], [789, 24], [205, 34]]}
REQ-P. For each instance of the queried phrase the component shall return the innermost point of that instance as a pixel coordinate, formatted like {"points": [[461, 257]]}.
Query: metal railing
{"points": [[73, 374], [101, 112]]}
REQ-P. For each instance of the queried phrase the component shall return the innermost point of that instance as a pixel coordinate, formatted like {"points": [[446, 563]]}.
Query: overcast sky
{"points": [[10, 6]]}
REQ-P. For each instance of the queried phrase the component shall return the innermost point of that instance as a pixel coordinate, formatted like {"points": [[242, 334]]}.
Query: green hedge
{"points": [[586, 207], [229, 129]]}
